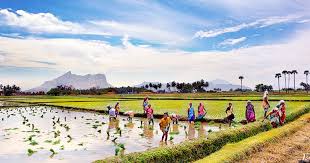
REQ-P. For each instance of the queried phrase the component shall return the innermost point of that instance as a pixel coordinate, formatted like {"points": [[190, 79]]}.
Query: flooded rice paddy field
{"points": [[46, 134]]}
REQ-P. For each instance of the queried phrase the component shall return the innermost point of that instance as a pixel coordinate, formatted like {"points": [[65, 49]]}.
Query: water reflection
{"points": [[80, 136], [191, 131]]}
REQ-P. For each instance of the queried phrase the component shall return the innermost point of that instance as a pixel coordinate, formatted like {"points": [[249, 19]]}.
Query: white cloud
{"points": [[260, 23], [233, 41], [304, 21], [49, 23], [133, 64], [139, 31], [42, 22]]}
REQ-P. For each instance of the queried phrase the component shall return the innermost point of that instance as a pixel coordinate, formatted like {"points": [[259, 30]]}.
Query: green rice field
{"points": [[172, 103]]}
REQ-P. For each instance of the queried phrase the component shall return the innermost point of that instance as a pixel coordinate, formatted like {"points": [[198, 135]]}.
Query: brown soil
{"points": [[288, 149]]}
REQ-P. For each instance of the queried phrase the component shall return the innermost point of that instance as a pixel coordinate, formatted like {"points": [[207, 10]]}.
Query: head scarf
{"points": [[265, 94]]}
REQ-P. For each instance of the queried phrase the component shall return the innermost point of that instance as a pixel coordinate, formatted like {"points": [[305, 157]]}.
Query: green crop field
{"points": [[172, 103]]}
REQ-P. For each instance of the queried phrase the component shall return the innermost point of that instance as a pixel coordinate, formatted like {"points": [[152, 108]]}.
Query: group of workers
{"points": [[277, 115]]}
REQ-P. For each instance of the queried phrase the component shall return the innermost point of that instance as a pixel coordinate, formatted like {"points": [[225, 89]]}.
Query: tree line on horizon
{"points": [[197, 86], [287, 79]]}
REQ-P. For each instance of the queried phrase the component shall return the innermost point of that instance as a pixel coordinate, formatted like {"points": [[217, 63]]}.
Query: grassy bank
{"points": [[194, 150], [237, 151]]}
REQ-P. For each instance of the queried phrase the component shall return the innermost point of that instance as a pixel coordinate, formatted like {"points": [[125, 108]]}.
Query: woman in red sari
{"points": [[282, 109]]}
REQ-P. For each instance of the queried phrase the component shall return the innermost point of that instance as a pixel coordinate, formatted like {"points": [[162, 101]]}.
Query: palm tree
{"points": [[168, 86], [278, 75], [294, 72], [288, 80], [284, 72], [1, 86], [241, 78], [306, 73]]}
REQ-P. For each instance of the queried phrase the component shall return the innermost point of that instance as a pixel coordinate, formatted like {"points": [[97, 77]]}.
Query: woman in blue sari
{"points": [[191, 113]]}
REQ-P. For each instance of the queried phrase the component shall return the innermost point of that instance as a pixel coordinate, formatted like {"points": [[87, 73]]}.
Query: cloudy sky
{"points": [[143, 40]]}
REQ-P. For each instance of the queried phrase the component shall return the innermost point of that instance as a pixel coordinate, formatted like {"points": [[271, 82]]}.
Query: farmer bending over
{"points": [[230, 114]]}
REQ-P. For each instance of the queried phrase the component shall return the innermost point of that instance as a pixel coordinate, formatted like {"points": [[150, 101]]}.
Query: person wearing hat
{"points": [[164, 125], [250, 112]]}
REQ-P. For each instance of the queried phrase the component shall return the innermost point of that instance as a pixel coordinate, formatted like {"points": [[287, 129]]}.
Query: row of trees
{"points": [[69, 90], [9, 90], [197, 86], [262, 88], [287, 77]]}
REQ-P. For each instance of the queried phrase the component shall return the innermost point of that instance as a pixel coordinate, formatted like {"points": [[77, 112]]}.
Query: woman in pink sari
{"points": [[201, 111], [250, 112]]}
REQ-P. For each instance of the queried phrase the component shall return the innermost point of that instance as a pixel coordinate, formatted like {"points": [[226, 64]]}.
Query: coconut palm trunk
{"points": [[278, 75], [241, 78], [306, 72]]}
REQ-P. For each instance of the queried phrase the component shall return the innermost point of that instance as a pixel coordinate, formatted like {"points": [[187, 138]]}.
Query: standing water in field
{"points": [[45, 134]]}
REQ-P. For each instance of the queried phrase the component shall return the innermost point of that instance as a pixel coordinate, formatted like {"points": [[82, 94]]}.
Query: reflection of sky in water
{"points": [[89, 143]]}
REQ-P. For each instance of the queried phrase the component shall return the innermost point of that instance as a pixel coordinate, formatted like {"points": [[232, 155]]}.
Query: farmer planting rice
{"points": [[250, 112], [130, 115], [274, 116], [112, 113], [117, 109], [150, 114], [145, 103], [230, 114], [164, 125], [191, 113], [282, 111], [266, 104], [175, 118], [278, 114], [201, 111]]}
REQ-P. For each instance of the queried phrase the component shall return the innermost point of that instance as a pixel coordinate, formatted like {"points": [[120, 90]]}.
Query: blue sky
{"points": [[130, 40]]}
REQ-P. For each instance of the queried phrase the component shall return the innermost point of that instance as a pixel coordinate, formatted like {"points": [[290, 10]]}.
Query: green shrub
{"points": [[233, 152], [189, 151]]}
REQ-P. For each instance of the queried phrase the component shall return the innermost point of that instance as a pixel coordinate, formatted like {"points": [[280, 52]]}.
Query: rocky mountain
{"points": [[76, 81]]}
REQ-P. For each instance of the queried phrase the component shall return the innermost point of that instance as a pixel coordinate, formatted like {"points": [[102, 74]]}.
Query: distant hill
{"points": [[76, 81], [214, 84], [224, 85]]}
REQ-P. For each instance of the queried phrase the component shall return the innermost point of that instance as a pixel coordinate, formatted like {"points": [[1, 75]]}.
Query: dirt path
{"points": [[289, 149]]}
